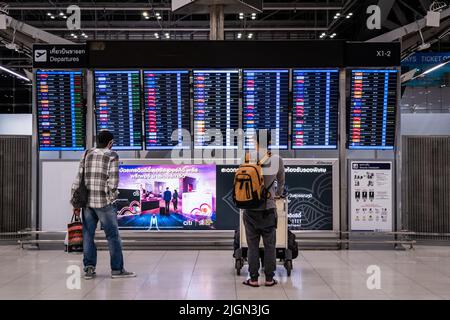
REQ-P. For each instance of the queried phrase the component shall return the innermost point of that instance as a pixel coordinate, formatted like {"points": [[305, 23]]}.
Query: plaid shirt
{"points": [[101, 176]]}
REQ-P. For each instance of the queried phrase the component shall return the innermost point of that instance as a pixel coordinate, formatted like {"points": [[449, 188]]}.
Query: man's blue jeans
{"points": [[108, 219]]}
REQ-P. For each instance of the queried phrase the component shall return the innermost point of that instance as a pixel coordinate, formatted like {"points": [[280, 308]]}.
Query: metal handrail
{"points": [[210, 232]]}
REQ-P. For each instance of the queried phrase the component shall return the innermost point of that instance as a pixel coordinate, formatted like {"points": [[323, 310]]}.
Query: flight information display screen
{"points": [[265, 105], [118, 107], [216, 108], [371, 114], [315, 108], [60, 111], [167, 105]]}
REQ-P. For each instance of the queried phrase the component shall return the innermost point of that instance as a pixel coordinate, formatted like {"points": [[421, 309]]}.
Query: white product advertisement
{"points": [[371, 196]]}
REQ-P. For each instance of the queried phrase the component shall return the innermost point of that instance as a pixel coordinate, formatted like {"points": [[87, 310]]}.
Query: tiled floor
{"points": [[423, 273]]}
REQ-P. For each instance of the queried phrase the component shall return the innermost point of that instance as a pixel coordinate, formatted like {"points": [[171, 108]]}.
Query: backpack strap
{"points": [[247, 157], [265, 158]]}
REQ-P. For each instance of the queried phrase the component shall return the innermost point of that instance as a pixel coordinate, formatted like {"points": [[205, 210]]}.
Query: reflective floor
{"points": [[423, 273]]}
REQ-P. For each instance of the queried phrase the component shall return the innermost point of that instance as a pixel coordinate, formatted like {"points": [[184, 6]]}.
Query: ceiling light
{"points": [[241, 15], [333, 35], [147, 17], [85, 36], [64, 17], [250, 35], [167, 35], [156, 35], [348, 16], [76, 37], [15, 74], [61, 14], [49, 14], [157, 14], [338, 14], [52, 17], [239, 35], [145, 13], [158, 17]]}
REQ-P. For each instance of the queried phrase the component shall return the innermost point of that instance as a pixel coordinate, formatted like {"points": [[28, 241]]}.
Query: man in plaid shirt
{"points": [[101, 175]]}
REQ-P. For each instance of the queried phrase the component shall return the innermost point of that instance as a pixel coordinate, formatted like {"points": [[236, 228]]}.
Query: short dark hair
{"points": [[103, 138], [264, 135]]}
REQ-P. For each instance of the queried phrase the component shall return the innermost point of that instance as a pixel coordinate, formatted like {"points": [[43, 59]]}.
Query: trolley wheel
{"points": [[288, 266], [238, 265]]}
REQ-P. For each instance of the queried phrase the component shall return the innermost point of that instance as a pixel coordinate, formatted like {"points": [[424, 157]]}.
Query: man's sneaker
{"points": [[89, 273], [122, 274]]}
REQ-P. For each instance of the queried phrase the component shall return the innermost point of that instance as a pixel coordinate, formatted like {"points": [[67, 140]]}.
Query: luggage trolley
{"points": [[283, 253]]}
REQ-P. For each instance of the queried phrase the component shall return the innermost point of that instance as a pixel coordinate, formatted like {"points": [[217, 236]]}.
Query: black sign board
{"points": [[57, 56], [310, 195], [226, 211], [372, 54], [215, 54]]}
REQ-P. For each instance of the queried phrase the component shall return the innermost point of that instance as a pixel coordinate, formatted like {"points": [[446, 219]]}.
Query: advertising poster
{"points": [[310, 197], [371, 196], [167, 197], [227, 213]]}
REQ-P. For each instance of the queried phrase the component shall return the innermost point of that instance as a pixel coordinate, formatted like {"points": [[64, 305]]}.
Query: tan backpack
{"points": [[249, 191]]}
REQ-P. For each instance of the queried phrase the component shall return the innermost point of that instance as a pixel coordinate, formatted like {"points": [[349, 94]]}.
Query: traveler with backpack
{"points": [[255, 191]]}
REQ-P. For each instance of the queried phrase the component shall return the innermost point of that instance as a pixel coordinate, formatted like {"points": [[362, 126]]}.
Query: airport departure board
{"points": [[216, 108], [167, 105], [315, 108], [118, 107], [371, 114], [60, 111], [265, 105]]}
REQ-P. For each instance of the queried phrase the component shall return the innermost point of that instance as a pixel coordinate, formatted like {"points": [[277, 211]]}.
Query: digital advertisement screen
{"points": [[265, 105], [310, 197], [310, 194], [315, 108], [167, 197], [371, 114], [216, 108], [118, 107], [167, 105], [60, 111]]}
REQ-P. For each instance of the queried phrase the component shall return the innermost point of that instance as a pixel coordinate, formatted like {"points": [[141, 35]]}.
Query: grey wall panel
{"points": [[426, 184], [15, 183]]}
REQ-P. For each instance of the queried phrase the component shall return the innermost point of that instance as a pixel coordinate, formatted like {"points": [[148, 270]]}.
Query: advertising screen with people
{"points": [[166, 197]]}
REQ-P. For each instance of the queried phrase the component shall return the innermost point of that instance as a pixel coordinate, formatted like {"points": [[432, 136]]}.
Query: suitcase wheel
{"points": [[288, 266], [239, 263]]}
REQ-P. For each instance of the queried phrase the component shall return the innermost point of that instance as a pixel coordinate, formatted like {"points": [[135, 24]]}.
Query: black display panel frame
{"points": [[292, 133], [194, 131], [142, 136], [287, 107], [393, 115], [203, 54], [83, 108], [189, 109]]}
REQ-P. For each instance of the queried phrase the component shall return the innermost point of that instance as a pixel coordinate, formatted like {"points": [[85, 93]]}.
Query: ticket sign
{"points": [[371, 196]]}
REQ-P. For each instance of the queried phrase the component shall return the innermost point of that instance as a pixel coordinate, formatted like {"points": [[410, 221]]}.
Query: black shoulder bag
{"points": [[80, 194]]}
